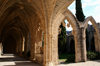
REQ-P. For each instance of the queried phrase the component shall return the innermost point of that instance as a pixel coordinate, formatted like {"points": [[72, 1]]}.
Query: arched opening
{"points": [[72, 45], [11, 39], [66, 43], [9, 44], [55, 32], [15, 31], [91, 38]]}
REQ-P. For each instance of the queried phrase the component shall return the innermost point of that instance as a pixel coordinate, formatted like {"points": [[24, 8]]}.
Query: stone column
{"points": [[27, 44], [32, 47], [47, 61], [20, 47], [1, 49], [77, 46], [80, 45], [83, 44], [55, 49], [97, 41], [45, 54]]}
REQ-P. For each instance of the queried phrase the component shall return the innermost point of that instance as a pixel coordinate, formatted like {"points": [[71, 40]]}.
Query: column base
{"points": [[49, 64]]}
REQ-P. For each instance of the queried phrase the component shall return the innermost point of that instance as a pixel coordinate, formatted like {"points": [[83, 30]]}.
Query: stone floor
{"points": [[12, 60], [88, 63]]}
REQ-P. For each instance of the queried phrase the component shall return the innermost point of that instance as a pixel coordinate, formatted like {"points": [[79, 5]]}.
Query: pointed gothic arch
{"points": [[97, 32]]}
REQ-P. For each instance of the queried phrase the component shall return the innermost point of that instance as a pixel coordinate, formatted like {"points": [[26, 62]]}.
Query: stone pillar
{"points": [[97, 41], [47, 61], [32, 47], [80, 45], [55, 49], [77, 46], [1, 49], [99, 44], [20, 47], [83, 44], [27, 44]]}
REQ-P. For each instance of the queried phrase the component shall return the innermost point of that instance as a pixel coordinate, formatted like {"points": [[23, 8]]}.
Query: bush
{"points": [[91, 55], [62, 40], [62, 56], [70, 58]]}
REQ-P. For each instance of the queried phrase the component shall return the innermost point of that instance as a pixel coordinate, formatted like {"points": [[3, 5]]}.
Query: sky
{"points": [[90, 8]]}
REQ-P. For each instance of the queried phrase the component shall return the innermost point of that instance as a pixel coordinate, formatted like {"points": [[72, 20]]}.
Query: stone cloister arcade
{"points": [[31, 26]]}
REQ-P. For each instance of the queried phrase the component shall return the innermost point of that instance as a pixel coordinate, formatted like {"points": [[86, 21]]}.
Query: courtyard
{"points": [[88, 63]]}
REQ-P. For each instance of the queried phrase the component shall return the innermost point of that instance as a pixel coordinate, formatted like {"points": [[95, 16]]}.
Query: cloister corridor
{"points": [[14, 60]]}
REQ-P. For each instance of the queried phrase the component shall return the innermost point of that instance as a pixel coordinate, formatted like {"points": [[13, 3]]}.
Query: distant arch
{"points": [[97, 33], [54, 32]]}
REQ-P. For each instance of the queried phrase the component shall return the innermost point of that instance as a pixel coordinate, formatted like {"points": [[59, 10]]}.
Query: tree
{"points": [[79, 12], [62, 39]]}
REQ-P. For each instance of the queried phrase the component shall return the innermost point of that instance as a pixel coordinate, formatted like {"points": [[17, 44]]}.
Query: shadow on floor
{"points": [[12, 60]]}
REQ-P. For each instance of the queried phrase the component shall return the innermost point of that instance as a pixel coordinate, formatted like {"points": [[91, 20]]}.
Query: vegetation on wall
{"points": [[79, 12], [62, 40], [64, 55]]}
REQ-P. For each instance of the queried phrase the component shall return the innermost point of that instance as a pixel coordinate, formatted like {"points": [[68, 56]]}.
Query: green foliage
{"points": [[62, 39], [62, 56], [62, 47], [93, 55], [79, 12], [67, 57], [70, 58]]}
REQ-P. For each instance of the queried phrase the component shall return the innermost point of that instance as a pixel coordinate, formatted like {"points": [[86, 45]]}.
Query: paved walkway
{"points": [[88, 63], [11, 60]]}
